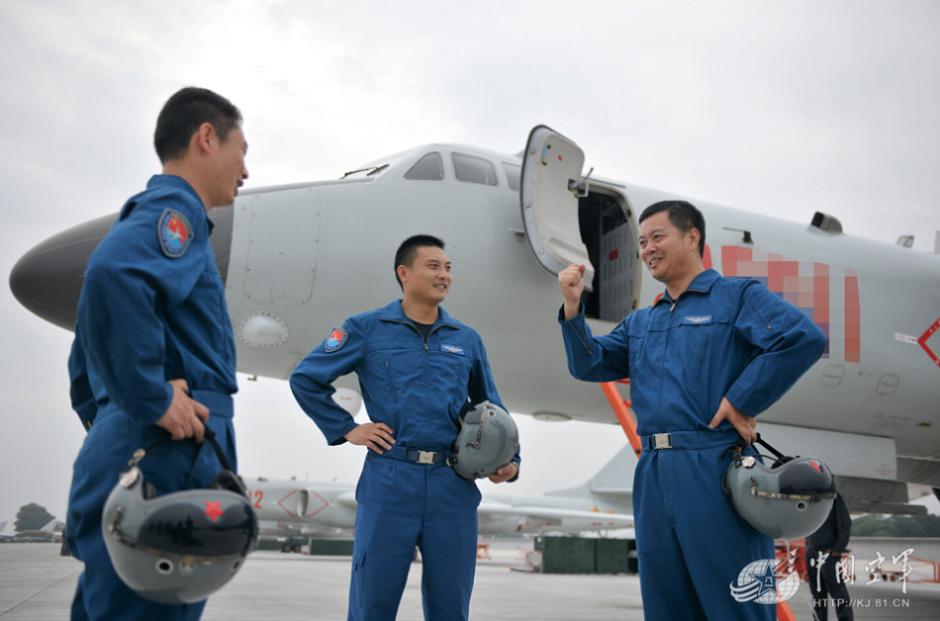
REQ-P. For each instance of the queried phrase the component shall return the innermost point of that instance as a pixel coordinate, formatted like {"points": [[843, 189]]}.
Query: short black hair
{"points": [[184, 112], [684, 216], [405, 255]]}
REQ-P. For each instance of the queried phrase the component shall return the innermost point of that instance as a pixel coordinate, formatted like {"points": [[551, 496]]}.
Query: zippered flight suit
{"points": [[419, 388], [152, 309], [723, 337]]}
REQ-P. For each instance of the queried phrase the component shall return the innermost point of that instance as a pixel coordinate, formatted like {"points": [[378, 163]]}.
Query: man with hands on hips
{"points": [[419, 370], [708, 356]]}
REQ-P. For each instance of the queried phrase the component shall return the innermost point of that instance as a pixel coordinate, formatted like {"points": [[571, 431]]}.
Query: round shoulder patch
{"points": [[174, 232], [335, 340]]}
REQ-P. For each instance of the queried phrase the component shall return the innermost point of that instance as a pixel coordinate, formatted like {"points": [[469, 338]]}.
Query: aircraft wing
{"points": [[493, 509], [51, 526], [613, 520]]}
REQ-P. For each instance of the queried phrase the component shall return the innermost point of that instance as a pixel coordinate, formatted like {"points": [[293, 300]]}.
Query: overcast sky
{"points": [[780, 108]]}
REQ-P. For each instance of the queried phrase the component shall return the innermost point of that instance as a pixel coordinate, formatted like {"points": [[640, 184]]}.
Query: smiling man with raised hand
{"points": [[707, 357], [419, 370]]}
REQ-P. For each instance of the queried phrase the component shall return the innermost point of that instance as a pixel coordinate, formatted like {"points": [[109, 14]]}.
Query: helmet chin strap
{"points": [[210, 436], [140, 453], [780, 456]]}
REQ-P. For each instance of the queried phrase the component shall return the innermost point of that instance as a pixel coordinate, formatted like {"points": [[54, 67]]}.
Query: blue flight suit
{"points": [[152, 309], [723, 337], [418, 388]]}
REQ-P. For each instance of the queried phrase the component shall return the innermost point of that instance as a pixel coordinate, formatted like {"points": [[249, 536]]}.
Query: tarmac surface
{"points": [[37, 583]]}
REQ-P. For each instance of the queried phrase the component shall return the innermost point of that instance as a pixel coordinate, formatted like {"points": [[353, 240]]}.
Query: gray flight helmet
{"points": [[788, 500], [181, 547], [488, 440]]}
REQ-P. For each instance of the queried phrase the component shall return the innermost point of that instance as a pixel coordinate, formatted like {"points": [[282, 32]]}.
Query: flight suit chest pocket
{"points": [[388, 370], [695, 336], [637, 345], [208, 302], [451, 365], [392, 369], [381, 368]]}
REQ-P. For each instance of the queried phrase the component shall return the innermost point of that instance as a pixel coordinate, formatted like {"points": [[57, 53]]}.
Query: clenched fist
{"points": [[571, 283]]}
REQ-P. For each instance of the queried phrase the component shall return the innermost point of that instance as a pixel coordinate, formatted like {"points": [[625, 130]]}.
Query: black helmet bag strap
{"points": [[210, 436], [139, 454], [781, 458], [767, 446]]}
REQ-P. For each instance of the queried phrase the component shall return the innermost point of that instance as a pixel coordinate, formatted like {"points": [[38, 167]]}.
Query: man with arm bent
{"points": [[154, 354], [419, 370], [703, 361]]}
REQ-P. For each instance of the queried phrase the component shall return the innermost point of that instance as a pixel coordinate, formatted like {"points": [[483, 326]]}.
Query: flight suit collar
{"points": [[700, 284], [395, 313], [179, 182]]}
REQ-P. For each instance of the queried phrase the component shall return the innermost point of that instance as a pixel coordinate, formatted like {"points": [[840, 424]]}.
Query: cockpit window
{"points": [[429, 168], [512, 175], [474, 169]]}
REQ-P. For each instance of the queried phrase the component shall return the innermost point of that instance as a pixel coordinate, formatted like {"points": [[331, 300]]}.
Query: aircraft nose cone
{"points": [[47, 280]]}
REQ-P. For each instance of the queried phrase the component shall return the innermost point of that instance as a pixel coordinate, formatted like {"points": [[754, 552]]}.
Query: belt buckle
{"points": [[662, 441], [426, 457]]}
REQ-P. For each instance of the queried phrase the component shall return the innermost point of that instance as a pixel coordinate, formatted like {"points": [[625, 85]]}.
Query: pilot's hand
{"points": [[186, 417], [571, 283], [505, 473], [376, 436], [745, 425]]}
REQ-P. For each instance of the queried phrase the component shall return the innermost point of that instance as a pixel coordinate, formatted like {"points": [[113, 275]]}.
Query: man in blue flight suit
{"points": [[418, 369], [703, 361], [154, 355], [824, 551]]}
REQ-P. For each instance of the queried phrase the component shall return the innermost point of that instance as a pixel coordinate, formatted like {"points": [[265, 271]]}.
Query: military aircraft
{"points": [[288, 508], [7, 533], [297, 259], [51, 531]]}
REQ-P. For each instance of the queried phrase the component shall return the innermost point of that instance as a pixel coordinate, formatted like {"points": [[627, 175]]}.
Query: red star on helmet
{"points": [[213, 510]]}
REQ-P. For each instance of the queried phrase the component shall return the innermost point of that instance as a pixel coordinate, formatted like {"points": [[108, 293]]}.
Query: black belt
{"points": [[695, 439], [417, 456]]}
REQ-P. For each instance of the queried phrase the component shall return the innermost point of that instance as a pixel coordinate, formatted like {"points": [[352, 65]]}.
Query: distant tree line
{"points": [[32, 517], [896, 526]]}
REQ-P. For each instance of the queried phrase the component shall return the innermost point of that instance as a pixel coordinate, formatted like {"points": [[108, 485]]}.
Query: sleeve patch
{"points": [[175, 233], [335, 340]]}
